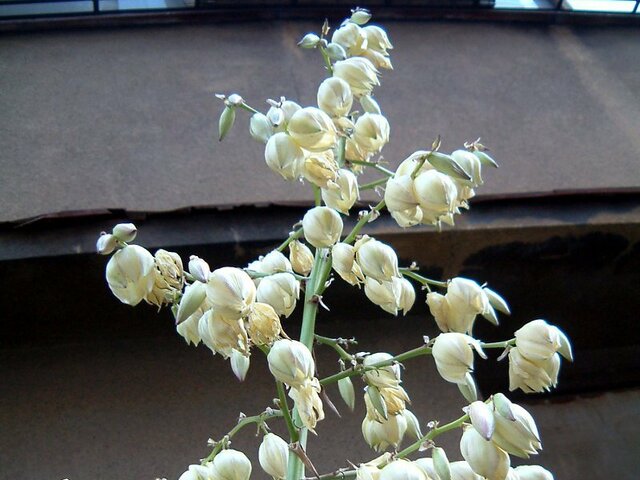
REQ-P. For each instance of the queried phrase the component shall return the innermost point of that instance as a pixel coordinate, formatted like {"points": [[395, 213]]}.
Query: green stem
{"points": [[359, 369], [327, 60], [424, 280], [254, 274], [374, 184], [317, 195], [284, 408], [293, 236], [504, 344], [344, 355], [248, 108], [261, 418], [431, 435], [342, 145], [362, 222], [374, 165]]}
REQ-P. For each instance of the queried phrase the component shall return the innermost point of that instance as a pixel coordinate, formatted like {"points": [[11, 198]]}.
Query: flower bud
{"points": [[376, 259], [369, 105], [231, 291], [291, 362], [300, 257], [344, 193], [399, 193], [227, 119], [322, 227], [345, 387], [533, 472], [231, 465], [310, 40], [199, 269], [401, 470], [482, 419], [312, 129], [381, 435], [273, 455], [280, 114], [483, 456], [307, 401], [381, 377], [371, 132], [239, 364], [518, 437], [334, 97], [377, 39], [260, 128], [272, 262], [263, 324], [436, 194], [471, 165], [537, 340], [130, 274], [106, 243], [351, 37], [222, 335], [284, 156], [359, 73], [360, 16], [407, 296], [281, 291], [497, 301], [413, 424], [125, 232], [191, 300], [453, 355], [532, 376], [441, 463], [321, 169], [335, 52]]}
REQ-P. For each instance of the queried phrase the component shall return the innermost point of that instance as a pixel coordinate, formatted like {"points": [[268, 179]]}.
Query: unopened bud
{"points": [[231, 465], [260, 128], [300, 257], [106, 243], [360, 16], [335, 52], [273, 455], [191, 300], [239, 364], [199, 268], [234, 100], [125, 232], [227, 118], [310, 40], [345, 386], [441, 463], [482, 419]]}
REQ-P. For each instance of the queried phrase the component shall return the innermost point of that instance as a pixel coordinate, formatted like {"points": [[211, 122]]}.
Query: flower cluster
{"points": [[231, 310]]}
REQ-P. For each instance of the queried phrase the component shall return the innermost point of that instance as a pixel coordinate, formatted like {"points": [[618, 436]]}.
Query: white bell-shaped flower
{"points": [[281, 291], [284, 156], [532, 376], [385, 434], [518, 437], [351, 37], [483, 456], [263, 324], [537, 340], [130, 274], [533, 472], [231, 291], [344, 264], [322, 227], [291, 362], [377, 39], [371, 132], [402, 470], [399, 194], [307, 401], [300, 257], [359, 73], [453, 354], [376, 259], [335, 97], [312, 129], [343, 193], [231, 464], [436, 194]]}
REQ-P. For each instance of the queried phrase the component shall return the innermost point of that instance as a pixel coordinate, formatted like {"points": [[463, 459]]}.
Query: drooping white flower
{"points": [[231, 464], [402, 470], [231, 291], [532, 376], [312, 129], [335, 97], [376, 259], [344, 264], [291, 362], [453, 354], [300, 257], [273, 455], [322, 227], [307, 401], [130, 274], [484, 457], [343, 193], [371, 132], [284, 156], [281, 291], [359, 73]]}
